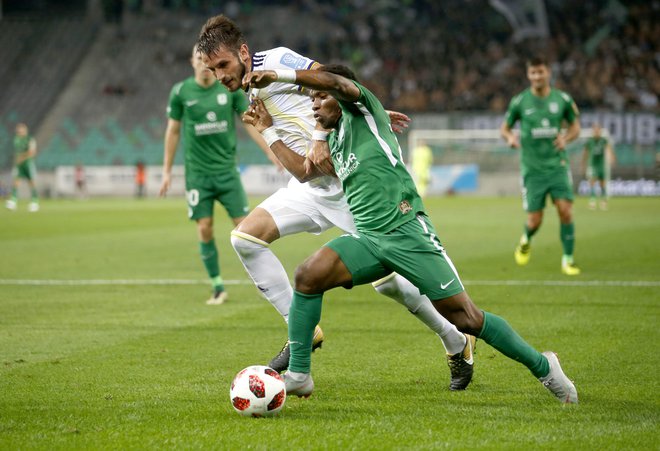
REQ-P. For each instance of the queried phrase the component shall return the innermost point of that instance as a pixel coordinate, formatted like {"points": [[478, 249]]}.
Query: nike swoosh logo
{"points": [[191, 102], [529, 111], [445, 285]]}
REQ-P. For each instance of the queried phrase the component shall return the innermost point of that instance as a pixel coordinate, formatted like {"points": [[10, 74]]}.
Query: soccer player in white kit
{"points": [[304, 206]]}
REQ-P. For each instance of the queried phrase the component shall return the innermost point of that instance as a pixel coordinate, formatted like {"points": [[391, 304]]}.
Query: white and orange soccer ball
{"points": [[257, 391]]}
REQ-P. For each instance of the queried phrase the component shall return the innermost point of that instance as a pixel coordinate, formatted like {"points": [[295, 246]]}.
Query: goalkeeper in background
{"points": [[25, 149], [600, 156], [422, 159]]}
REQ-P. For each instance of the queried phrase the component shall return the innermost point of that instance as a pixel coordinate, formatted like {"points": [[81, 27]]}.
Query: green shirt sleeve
{"points": [[513, 112], [175, 105], [241, 102], [571, 111]]}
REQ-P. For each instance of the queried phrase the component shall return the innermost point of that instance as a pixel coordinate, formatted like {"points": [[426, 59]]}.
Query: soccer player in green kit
{"points": [[542, 111], [393, 231], [597, 159], [25, 149], [208, 110]]}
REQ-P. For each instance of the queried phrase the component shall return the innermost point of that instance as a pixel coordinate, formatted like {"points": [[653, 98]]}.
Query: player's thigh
{"points": [[295, 211], [322, 271], [534, 193], [360, 256], [561, 186], [200, 196], [414, 251], [231, 194]]}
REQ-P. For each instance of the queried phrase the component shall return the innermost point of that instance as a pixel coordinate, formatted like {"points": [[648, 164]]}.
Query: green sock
{"points": [[501, 336], [567, 235], [14, 193], [529, 233], [35, 198], [304, 315], [209, 254]]}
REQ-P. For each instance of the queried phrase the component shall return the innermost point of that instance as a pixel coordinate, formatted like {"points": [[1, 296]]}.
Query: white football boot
{"points": [[557, 382], [298, 384]]}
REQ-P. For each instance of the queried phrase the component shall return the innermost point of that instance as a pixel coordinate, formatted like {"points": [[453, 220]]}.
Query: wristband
{"points": [[270, 135], [286, 75], [320, 135]]}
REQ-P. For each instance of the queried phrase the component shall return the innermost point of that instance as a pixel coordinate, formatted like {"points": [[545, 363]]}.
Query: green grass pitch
{"points": [[144, 364]]}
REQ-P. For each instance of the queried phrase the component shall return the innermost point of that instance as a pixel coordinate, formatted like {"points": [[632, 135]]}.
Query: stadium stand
{"points": [[103, 101]]}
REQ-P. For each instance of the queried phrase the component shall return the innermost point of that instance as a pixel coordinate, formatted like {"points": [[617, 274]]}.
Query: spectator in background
{"points": [[80, 182], [25, 150], [140, 179]]}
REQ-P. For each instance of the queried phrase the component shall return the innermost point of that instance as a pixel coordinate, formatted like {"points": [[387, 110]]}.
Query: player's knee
{"points": [[308, 277], [244, 244]]}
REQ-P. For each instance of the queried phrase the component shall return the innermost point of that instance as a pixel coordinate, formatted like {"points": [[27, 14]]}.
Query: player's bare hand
{"points": [[165, 185], [319, 156], [398, 121], [512, 141], [259, 79], [258, 116], [560, 142]]}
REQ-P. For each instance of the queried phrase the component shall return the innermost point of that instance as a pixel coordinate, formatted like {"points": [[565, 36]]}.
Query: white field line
{"points": [[551, 283]]}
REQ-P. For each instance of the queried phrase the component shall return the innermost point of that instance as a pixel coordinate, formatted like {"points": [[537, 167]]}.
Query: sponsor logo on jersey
{"points": [[405, 207], [545, 130], [211, 117], [553, 107], [222, 99], [344, 168], [293, 61], [211, 128]]}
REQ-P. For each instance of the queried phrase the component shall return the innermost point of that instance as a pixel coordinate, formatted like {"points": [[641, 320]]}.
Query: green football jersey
{"points": [[22, 144], [367, 159], [540, 122], [208, 116], [596, 148]]}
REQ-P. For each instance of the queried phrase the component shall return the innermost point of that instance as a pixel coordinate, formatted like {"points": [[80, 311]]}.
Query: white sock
{"points": [[405, 293], [265, 270]]}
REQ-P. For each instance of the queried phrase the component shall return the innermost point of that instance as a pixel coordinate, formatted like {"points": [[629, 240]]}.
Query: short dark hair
{"points": [[537, 60], [340, 69], [219, 31]]}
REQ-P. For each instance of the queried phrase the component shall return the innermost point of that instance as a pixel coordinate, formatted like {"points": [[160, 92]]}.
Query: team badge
{"points": [[553, 107], [405, 207], [222, 99]]}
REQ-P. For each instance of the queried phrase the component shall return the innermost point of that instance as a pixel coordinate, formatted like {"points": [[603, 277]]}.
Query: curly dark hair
{"points": [[219, 31]]}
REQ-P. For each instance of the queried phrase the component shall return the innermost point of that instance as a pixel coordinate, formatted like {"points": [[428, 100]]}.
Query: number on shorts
{"points": [[193, 197]]}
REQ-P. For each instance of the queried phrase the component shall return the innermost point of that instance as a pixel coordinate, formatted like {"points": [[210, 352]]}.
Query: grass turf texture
{"points": [[149, 366]]}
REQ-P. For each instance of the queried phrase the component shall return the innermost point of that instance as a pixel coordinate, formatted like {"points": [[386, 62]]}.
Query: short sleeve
{"points": [[174, 105]]}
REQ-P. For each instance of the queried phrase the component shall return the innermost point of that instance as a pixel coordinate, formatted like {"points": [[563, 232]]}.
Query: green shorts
{"points": [[596, 172], [411, 250], [26, 170], [535, 189], [203, 190]]}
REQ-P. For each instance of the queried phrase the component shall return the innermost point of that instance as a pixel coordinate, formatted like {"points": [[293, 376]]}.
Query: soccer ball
{"points": [[257, 391]]}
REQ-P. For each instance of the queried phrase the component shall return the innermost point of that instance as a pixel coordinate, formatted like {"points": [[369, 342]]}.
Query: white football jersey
{"points": [[291, 109]]}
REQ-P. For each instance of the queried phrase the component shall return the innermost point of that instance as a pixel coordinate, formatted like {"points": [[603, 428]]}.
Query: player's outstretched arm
{"points": [[339, 87]]}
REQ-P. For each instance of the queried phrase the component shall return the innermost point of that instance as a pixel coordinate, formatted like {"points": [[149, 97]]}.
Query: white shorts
{"points": [[296, 211]]}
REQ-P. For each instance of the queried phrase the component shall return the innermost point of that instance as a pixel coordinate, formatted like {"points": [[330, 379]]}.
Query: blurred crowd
{"points": [[460, 55], [425, 55]]}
